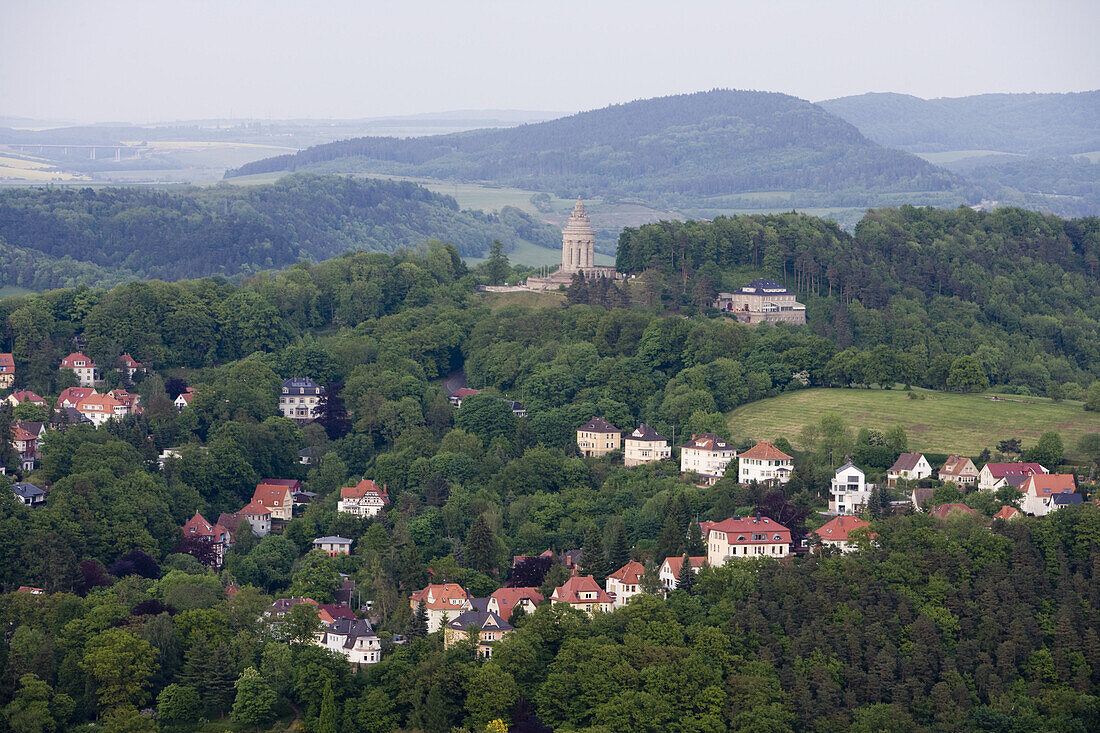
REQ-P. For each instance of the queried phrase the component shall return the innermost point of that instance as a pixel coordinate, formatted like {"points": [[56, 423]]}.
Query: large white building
{"points": [[764, 463], [645, 445], [745, 537], [354, 639], [365, 499], [300, 398], [625, 583], [706, 455], [83, 367], [849, 491]]}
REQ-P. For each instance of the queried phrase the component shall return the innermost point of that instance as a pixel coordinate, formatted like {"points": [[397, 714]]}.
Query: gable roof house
{"points": [[71, 396], [83, 367], [441, 600], [217, 535], [1007, 513], [598, 437], [744, 537], [129, 366], [504, 601], [365, 499], [583, 593], [921, 497], [1045, 492], [352, 638], [29, 494], [625, 583], [26, 445], [764, 463], [183, 399], [63, 417], [456, 397], [490, 628], [837, 532], [258, 515], [994, 476], [707, 456], [277, 495], [20, 396], [7, 371], [960, 470], [947, 511], [908, 467], [645, 445], [669, 573]]}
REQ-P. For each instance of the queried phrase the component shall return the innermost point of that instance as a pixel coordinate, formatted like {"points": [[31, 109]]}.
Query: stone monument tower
{"points": [[578, 240]]}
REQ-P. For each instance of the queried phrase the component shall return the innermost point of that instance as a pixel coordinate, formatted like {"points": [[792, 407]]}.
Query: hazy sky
{"points": [[148, 60]]}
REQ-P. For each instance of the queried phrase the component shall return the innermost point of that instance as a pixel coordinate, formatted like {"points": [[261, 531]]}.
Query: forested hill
{"points": [[669, 149], [1012, 123], [1016, 289], [51, 237]]}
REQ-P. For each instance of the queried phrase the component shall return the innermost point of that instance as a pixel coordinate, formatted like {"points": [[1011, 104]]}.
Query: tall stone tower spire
{"points": [[578, 241]]}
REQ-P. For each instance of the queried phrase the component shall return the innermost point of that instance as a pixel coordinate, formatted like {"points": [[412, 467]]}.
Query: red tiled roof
{"points": [[464, 392], [765, 451], [571, 590], [70, 361], [1007, 512], [839, 528], [130, 362], [708, 441], [1045, 484], [72, 395], [675, 563], [363, 488], [253, 508], [954, 466], [739, 530], [943, 510], [99, 403], [629, 574], [25, 395], [507, 598], [272, 495], [198, 526], [905, 462], [438, 597], [1000, 470], [22, 435], [7, 364]]}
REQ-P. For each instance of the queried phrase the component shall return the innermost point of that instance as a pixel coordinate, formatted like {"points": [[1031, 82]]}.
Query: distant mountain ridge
{"points": [[664, 150], [1051, 124]]}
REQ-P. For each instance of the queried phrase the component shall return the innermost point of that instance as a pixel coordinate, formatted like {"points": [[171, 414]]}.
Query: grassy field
{"points": [[13, 291], [940, 423], [954, 156]]}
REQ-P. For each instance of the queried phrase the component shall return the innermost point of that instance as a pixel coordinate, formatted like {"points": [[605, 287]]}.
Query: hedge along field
{"points": [[940, 422]]}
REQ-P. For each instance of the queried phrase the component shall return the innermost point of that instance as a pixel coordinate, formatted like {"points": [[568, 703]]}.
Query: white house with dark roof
{"points": [[300, 398], [994, 476], [762, 301], [29, 494], [645, 445], [598, 437], [490, 627], [707, 456], [908, 467], [354, 639], [849, 491], [333, 545]]}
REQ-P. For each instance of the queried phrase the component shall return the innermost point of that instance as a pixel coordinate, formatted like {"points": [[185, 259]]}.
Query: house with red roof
{"points": [[949, 511], [994, 476], [1007, 512], [216, 535], [83, 367], [72, 396], [745, 537], [625, 583], [838, 532], [908, 467], [669, 572], [583, 593], [258, 515], [183, 399], [7, 371], [128, 366], [441, 600], [707, 456], [764, 463], [456, 397], [277, 495], [1046, 492], [504, 601], [99, 408], [25, 444], [20, 396], [365, 499]]}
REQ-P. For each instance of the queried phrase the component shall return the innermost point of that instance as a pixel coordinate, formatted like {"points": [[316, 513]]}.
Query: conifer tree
{"points": [[326, 722], [221, 679], [695, 545], [593, 559], [651, 579], [195, 665], [685, 581], [480, 547], [619, 554], [418, 624]]}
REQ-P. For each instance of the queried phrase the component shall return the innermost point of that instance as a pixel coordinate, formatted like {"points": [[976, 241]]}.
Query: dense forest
{"points": [[55, 237], [678, 150], [937, 627], [1014, 289]]}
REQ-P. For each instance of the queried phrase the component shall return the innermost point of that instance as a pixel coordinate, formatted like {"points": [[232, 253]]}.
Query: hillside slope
{"points": [[102, 236], [678, 149], [1013, 123]]}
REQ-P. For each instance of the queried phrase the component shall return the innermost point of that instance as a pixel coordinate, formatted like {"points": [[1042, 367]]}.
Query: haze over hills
{"points": [[709, 150], [1041, 151]]}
